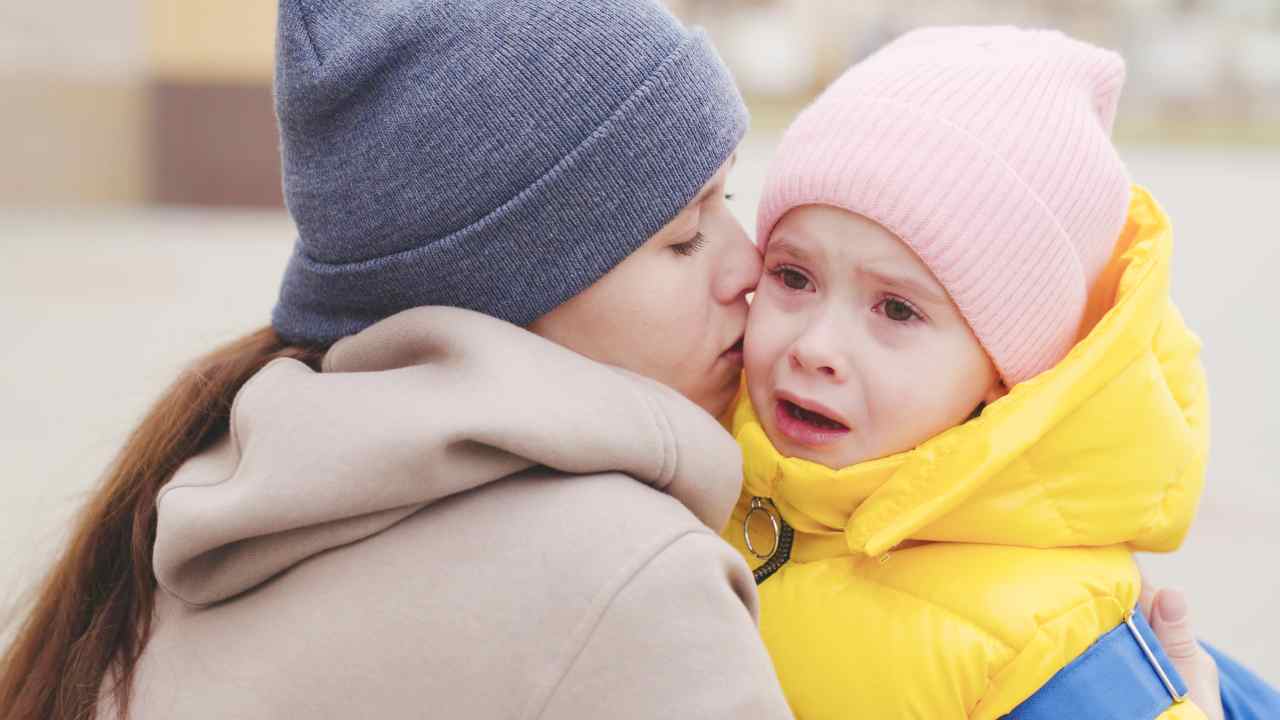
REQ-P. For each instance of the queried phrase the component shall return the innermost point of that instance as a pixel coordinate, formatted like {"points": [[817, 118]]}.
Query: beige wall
{"points": [[72, 140], [211, 40], [101, 42], [213, 134], [72, 84], [79, 87]]}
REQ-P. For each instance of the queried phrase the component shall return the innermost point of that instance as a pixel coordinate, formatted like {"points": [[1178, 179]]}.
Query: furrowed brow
{"points": [[908, 284], [786, 247]]}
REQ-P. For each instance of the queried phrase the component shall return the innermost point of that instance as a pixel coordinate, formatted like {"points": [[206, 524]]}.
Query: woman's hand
{"points": [[1166, 609]]}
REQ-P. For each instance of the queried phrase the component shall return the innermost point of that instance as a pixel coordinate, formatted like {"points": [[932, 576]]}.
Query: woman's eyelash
{"points": [[690, 246], [728, 196]]}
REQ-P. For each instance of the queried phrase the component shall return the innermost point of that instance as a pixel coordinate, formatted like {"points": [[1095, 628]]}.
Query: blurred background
{"points": [[141, 224]]}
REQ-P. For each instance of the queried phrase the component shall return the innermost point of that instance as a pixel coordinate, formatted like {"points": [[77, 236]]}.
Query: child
{"points": [[968, 397]]}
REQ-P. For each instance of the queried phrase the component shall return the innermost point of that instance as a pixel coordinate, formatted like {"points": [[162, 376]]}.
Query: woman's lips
{"points": [[734, 354], [805, 426]]}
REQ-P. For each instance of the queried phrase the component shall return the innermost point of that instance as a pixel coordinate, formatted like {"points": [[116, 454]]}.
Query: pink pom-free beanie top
{"points": [[988, 152]]}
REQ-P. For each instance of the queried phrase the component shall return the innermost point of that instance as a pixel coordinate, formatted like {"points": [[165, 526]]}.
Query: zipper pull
{"points": [[758, 506]]}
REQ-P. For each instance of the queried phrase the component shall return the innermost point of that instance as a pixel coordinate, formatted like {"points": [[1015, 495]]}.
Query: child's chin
{"points": [[835, 460], [835, 456]]}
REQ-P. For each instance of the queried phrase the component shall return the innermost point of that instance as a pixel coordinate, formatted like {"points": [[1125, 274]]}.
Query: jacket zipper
{"points": [[782, 549]]}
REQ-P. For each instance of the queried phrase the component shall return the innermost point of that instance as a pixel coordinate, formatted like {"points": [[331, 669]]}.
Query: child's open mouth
{"points": [[807, 427]]}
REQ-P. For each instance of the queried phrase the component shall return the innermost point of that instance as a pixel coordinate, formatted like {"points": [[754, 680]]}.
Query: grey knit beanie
{"points": [[497, 155]]}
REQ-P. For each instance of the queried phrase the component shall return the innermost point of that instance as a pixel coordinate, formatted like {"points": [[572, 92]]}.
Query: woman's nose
{"points": [[740, 268]]}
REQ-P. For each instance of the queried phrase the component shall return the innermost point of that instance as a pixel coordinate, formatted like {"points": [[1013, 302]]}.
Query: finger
{"points": [[1172, 628], [1172, 625]]}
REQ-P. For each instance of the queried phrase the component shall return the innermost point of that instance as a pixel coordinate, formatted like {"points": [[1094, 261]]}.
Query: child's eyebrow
{"points": [[909, 284], [786, 247]]}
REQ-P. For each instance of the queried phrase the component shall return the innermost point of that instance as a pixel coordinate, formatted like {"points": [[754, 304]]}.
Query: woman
{"points": [[558, 167]]}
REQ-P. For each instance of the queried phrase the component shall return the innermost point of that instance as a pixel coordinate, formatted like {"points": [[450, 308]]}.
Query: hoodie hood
{"points": [[428, 403], [1107, 447]]}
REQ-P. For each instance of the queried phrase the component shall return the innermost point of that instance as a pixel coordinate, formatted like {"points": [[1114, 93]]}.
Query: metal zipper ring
{"points": [[757, 505]]}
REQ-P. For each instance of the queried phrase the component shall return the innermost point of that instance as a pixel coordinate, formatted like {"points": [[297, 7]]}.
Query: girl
{"points": [[968, 396]]}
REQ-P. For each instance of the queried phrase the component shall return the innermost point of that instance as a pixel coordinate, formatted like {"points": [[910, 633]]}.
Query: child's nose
{"points": [[817, 351]]}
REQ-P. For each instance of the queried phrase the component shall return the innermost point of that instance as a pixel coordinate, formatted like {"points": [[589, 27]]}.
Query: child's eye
{"points": [[793, 279], [728, 196], [690, 246], [898, 310]]}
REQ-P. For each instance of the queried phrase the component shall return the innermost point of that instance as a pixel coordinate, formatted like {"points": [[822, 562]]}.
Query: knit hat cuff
{"points": [[623, 182], [936, 186]]}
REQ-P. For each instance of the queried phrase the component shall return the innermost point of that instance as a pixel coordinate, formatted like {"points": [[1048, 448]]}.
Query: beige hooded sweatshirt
{"points": [[461, 520]]}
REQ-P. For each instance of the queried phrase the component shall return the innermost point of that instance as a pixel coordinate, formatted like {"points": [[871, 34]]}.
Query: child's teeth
{"points": [[808, 416]]}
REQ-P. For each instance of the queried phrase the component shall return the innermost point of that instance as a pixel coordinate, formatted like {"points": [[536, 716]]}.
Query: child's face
{"points": [[853, 350]]}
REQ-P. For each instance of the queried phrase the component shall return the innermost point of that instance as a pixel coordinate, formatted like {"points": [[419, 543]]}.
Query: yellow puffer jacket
{"points": [[954, 580]]}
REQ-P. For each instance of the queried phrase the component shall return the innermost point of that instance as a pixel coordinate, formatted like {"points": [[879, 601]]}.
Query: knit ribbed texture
{"points": [[496, 155], [986, 150]]}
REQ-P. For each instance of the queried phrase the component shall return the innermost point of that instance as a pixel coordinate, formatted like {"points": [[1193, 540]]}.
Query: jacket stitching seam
{"points": [[1040, 626], [670, 457], [1179, 479], [953, 613], [647, 403], [1197, 457], [1053, 499], [604, 606]]}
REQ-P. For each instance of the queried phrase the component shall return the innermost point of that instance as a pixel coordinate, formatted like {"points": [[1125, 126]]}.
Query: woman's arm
{"points": [[426, 404]]}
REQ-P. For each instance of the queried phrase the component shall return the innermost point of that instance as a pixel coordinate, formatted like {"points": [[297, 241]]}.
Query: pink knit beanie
{"points": [[987, 151]]}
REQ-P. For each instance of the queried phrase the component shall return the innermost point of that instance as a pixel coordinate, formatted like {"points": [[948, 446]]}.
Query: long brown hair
{"points": [[91, 616]]}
